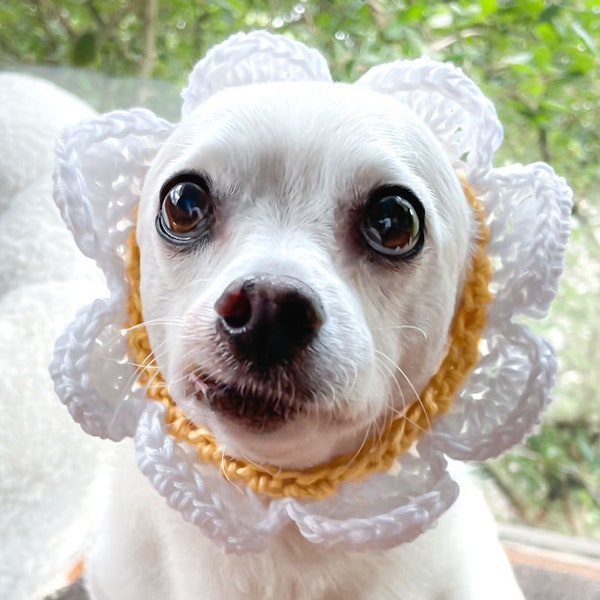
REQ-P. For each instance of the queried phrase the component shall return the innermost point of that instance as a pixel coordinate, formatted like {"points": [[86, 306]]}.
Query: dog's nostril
{"points": [[298, 315], [268, 319], [234, 307]]}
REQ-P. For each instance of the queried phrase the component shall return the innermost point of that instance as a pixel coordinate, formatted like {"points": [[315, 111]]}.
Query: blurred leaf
{"points": [[84, 51], [522, 58], [586, 37], [584, 445], [549, 13], [488, 7]]}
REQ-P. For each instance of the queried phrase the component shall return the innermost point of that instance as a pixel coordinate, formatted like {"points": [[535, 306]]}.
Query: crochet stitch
{"points": [[101, 165]]}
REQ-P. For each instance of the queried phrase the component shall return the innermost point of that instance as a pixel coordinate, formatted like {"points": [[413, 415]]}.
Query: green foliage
{"points": [[537, 59], [555, 478], [85, 50]]}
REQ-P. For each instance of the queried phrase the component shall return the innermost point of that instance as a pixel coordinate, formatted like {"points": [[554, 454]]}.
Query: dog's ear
{"points": [[101, 164], [247, 58], [450, 103]]}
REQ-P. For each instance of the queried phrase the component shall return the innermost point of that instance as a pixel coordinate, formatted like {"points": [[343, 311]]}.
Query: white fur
{"points": [[287, 162], [145, 550]]}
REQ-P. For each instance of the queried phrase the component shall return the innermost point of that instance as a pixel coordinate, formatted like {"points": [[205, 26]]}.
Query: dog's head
{"points": [[303, 248]]}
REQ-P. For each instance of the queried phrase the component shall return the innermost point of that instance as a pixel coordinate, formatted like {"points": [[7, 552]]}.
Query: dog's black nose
{"points": [[268, 319]]}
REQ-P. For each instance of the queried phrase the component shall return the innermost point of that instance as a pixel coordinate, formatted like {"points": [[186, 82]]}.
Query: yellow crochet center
{"points": [[377, 454]]}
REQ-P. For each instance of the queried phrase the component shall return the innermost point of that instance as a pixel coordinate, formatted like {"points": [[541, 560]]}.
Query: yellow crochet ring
{"points": [[377, 454]]}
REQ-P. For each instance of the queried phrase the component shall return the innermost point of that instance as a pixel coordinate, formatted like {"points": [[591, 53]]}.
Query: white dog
{"points": [[297, 243], [305, 249]]}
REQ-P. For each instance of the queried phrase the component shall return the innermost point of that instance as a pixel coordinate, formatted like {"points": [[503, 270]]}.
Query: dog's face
{"points": [[303, 247]]}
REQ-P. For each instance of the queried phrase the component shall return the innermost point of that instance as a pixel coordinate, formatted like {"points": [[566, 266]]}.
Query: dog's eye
{"points": [[392, 223], [186, 211]]}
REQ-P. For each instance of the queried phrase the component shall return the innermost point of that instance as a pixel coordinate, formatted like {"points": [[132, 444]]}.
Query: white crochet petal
{"points": [[528, 210], [100, 168], [247, 58], [236, 520], [385, 510], [503, 398], [90, 375], [450, 103], [101, 165]]}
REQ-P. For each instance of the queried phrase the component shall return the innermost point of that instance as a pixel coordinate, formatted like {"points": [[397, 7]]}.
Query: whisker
{"points": [[366, 438], [195, 281], [388, 415], [409, 382], [391, 373], [164, 320], [411, 327]]}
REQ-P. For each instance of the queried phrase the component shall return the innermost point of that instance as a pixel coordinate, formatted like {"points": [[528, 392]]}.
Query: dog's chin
{"points": [[251, 411], [290, 433]]}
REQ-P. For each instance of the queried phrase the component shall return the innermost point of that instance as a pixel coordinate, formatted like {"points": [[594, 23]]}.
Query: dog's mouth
{"points": [[255, 411]]}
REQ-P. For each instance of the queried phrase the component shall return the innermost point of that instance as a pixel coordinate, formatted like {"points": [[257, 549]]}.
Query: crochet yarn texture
{"points": [[485, 398], [377, 454]]}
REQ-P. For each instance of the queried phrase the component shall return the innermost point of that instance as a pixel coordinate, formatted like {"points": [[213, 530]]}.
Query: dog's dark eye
{"points": [[186, 210], [392, 223]]}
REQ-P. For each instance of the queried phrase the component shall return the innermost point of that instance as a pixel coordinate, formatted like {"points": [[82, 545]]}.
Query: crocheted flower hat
{"points": [[504, 384]]}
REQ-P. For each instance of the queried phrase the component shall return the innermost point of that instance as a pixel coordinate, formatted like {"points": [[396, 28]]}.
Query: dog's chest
{"points": [[162, 558]]}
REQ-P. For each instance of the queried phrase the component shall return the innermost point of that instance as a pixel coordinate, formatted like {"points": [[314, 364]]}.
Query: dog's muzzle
{"points": [[265, 324]]}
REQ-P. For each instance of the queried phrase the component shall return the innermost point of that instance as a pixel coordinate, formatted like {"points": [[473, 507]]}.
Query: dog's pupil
{"points": [[393, 222], [185, 206]]}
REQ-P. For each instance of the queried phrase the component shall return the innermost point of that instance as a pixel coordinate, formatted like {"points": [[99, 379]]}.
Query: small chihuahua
{"points": [[303, 249]]}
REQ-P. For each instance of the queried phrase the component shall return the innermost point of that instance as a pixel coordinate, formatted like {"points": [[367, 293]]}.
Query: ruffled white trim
{"points": [[245, 59], [454, 108], [416, 491], [101, 165], [100, 168]]}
